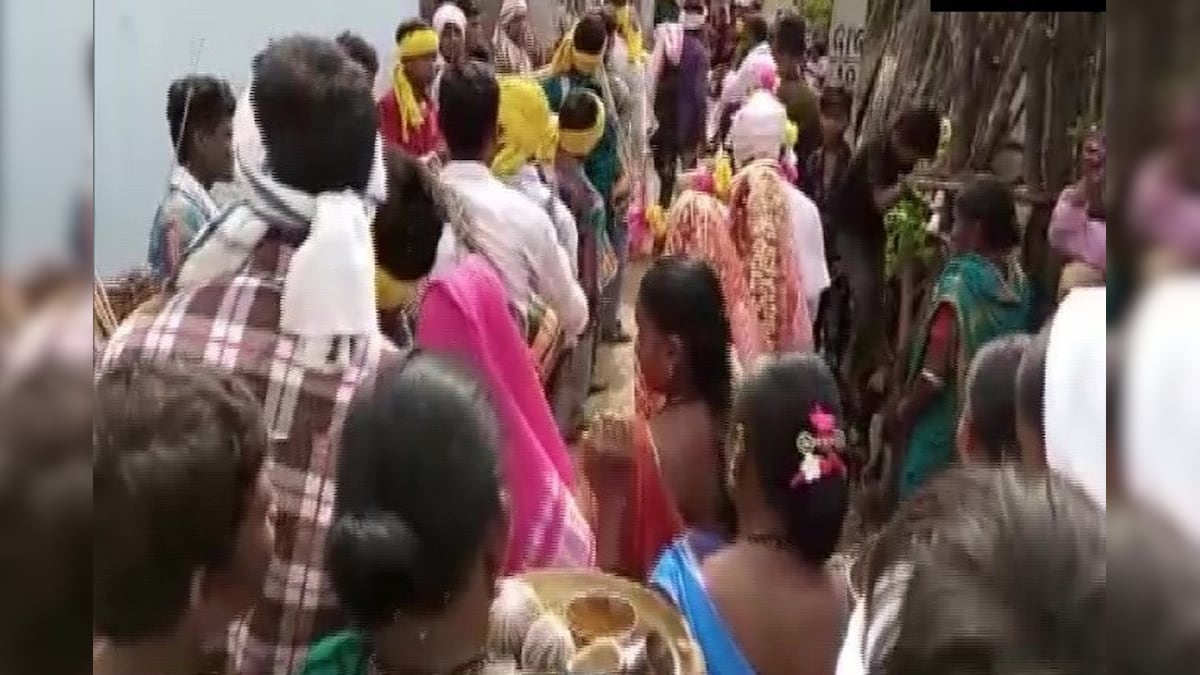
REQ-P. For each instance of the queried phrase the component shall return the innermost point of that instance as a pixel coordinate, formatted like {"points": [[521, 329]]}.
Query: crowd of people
{"points": [[357, 403]]}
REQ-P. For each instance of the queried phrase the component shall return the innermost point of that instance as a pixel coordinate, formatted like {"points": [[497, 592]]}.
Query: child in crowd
{"points": [[987, 428], [183, 533]]}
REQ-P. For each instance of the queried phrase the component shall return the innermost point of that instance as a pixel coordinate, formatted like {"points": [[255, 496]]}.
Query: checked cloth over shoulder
{"points": [[232, 323]]}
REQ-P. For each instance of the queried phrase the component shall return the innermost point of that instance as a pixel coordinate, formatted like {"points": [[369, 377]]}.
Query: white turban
{"points": [[511, 8], [759, 128], [449, 14]]}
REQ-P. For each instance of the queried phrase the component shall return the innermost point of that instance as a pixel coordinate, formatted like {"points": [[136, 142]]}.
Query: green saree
{"points": [[344, 653], [987, 303]]}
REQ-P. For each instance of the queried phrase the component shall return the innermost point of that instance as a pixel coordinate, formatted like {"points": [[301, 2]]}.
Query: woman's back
{"points": [[772, 587], [791, 624], [687, 442]]}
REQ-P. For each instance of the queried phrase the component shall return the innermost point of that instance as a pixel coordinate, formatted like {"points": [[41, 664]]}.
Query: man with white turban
{"points": [[450, 24], [759, 138]]}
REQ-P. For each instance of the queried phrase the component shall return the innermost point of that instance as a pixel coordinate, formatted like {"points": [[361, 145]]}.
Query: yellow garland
{"points": [[630, 33], [390, 292], [722, 175], [581, 142], [415, 44], [656, 219], [792, 134], [527, 128]]}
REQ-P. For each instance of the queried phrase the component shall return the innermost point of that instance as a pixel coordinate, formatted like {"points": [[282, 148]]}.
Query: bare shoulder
{"points": [[793, 624]]}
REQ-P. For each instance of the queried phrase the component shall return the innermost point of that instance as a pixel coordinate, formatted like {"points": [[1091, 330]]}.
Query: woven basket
{"points": [[113, 300]]}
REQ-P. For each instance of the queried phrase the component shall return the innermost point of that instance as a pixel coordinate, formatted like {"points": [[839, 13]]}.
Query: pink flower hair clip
{"points": [[819, 449]]}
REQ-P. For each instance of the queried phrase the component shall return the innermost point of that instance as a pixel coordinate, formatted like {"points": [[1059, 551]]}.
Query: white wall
{"points": [[141, 45], [44, 125]]}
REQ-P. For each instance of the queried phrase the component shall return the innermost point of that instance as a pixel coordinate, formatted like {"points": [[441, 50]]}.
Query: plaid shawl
{"points": [[510, 56], [233, 323]]}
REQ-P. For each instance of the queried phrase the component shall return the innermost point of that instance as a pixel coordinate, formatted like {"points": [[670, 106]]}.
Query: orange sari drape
{"points": [[698, 226], [641, 516]]}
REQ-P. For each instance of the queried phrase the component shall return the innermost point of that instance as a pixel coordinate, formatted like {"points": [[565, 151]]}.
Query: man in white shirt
{"points": [[506, 227], [759, 133], [528, 180]]}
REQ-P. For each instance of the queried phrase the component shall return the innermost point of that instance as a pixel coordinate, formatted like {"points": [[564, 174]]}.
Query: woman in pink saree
{"points": [[466, 313]]}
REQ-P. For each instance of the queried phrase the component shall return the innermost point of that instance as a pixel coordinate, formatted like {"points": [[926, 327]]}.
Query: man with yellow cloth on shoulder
{"points": [[578, 65], [407, 115], [626, 61]]}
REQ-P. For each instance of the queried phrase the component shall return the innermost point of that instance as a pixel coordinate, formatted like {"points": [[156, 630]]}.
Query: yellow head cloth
{"points": [[415, 44], [566, 58], [528, 130], [390, 292], [630, 33], [581, 142]]}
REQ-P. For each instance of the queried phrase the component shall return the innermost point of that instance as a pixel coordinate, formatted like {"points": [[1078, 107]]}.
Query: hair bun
{"points": [[374, 538], [371, 548]]}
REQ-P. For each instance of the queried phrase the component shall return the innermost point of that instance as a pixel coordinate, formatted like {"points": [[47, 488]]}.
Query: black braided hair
{"points": [[682, 296]]}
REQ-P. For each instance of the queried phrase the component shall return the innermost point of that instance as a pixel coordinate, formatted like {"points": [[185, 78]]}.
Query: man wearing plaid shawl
{"points": [[280, 290], [516, 48]]}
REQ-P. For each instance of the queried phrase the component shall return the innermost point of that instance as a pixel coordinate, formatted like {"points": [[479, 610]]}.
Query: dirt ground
{"points": [[615, 363]]}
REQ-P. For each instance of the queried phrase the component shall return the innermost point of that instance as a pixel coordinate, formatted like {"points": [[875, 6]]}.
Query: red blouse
{"points": [[421, 140]]}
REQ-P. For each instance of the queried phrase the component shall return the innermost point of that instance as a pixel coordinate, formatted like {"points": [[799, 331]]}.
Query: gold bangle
{"points": [[933, 378]]}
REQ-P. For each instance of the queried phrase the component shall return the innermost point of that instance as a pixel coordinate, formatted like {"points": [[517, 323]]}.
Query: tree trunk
{"points": [[1150, 45]]}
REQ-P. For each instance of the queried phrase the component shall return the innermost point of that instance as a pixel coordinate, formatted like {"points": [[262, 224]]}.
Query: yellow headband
{"points": [[415, 44], [419, 42], [567, 58], [584, 62], [581, 142]]}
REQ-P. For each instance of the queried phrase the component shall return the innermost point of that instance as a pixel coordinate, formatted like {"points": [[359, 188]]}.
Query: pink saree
{"points": [[698, 226], [466, 313]]}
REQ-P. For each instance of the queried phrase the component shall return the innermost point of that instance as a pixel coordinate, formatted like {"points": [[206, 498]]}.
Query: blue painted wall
{"points": [[44, 124]]}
